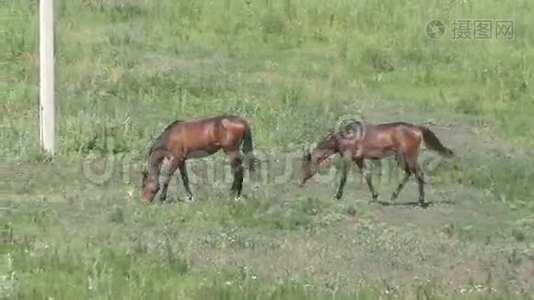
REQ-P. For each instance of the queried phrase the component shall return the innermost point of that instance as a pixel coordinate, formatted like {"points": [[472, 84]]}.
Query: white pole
{"points": [[46, 84]]}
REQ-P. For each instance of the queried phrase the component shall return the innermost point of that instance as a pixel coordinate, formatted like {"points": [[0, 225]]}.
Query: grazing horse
{"points": [[358, 142], [198, 138]]}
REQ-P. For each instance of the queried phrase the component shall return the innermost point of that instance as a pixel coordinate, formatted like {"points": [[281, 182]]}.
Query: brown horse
{"points": [[360, 141], [198, 138]]}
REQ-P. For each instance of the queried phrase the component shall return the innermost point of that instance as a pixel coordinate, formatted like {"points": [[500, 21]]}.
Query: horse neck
{"points": [[331, 142], [328, 146], [154, 163]]}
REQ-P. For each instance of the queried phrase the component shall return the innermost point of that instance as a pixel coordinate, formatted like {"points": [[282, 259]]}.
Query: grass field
{"points": [[73, 227]]}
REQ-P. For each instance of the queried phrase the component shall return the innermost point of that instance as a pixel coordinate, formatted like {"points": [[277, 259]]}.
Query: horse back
{"points": [[393, 135], [204, 136]]}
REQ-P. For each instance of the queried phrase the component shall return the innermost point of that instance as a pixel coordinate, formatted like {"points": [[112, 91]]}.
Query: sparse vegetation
{"points": [[292, 68]]}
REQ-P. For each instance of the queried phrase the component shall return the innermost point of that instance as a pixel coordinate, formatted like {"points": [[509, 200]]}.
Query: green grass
{"points": [[294, 67]]}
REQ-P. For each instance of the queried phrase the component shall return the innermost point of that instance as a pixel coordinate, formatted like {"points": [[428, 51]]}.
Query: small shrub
{"points": [[468, 106], [117, 215], [351, 211], [518, 234]]}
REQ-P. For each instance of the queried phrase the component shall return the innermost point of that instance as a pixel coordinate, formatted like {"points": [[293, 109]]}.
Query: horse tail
{"points": [[433, 143], [248, 149]]}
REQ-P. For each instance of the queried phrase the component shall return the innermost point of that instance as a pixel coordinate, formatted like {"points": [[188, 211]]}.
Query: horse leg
{"points": [[378, 164], [364, 170], [343, 180], [237, 169], [421, 183], [407, 174], [167, 179], [373, 163], [409, 164], [185, 180]]}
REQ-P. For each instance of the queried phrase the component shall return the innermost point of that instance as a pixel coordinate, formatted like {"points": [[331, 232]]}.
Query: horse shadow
{"points": [[415, 203]]}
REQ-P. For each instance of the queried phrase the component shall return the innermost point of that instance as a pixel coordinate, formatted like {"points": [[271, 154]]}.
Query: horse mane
{"points": [[158, 142], [325, 141], [336, 133], [350, 125]]}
